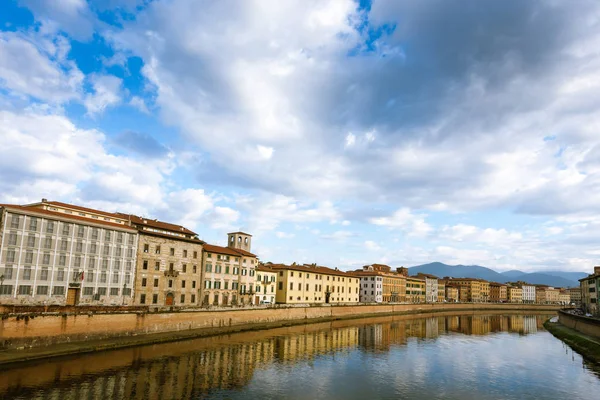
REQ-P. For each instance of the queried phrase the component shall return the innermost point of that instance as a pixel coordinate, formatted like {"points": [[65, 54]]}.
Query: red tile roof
{"points": [[153, 223], [39, 211], [211, 248], [74, 207]]}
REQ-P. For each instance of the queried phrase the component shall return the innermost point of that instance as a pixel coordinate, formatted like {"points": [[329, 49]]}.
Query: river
{"points": [[481, 356]]}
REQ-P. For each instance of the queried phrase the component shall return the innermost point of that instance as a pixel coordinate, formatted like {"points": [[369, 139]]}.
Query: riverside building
{"points": [[528, 294], [58, 253], [168, 270], [498, 292], [313, 284], [266, 284], [590, 286], [431, 287], [230, 272], [379, 284], [515, 294]]}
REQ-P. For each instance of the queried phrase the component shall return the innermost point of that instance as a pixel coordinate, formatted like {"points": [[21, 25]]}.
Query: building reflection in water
{"points": [[196, 367]]}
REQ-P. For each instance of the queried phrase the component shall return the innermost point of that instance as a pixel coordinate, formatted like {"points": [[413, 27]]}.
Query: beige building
{"points": [[266, 284], [546, 295], [515, 294], [471, 289], [58, 253], [312, 284], [452, 294], [431, 287], [168, 267], [415, 289], [575, 295], [564, 297], [230, 272], [590, 286], [441, 291]]}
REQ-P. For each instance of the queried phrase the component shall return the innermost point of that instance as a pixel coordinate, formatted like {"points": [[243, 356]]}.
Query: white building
{"points": [[431, 287], [56, 253], [528, 293], [371, 286]]}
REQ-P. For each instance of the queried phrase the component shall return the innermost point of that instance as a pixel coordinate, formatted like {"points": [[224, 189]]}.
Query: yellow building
{"points": [[230, 272], [168, 269], [441, 291], [485, 290], [471, 289], [498, 292], [515, 294], [266, 284], [575, 295], [313, 284], [415, 289]]}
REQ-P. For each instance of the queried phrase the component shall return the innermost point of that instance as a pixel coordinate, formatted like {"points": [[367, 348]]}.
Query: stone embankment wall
{"points": [[585, 325], [25, 331]]}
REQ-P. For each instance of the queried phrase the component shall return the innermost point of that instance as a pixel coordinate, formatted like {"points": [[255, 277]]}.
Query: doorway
{"points": [[170, 299], [72, 296]]}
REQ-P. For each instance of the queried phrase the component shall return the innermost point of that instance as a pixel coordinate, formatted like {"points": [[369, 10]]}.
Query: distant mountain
{"points": [[572, 276], [475, 271], [544, 279], [457, 271], [512, 273]]}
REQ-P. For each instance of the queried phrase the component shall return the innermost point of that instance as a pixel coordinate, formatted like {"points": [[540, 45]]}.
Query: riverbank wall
{"points": [[582, 334], [586, 325], [23, 331]]}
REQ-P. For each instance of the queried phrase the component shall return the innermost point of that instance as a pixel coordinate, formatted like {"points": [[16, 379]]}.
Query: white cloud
{"points": [[403, 219], [139, 103], [106, 93], [284, 235], [372, 246]]}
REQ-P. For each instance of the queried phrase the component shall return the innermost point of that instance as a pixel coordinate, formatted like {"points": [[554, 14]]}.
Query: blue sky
{"points": [[335, 131]]}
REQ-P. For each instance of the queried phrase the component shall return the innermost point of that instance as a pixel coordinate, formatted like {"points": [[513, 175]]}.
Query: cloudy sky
{"points": [[335, 131]]}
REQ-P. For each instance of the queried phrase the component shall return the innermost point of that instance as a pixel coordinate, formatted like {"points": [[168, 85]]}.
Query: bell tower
{"points": [[239, 240]]}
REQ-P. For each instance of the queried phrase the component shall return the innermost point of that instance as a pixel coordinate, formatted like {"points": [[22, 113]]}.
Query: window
{"points": [[29, 257], [14, 223], [24, 289], [307, 287], [143, 299], [107, 236], [66, 229], [80, 231], [30, 240], [146, 248], [252, 272], [48, 242], [92, 262], [280, 285], [193, 298], [106, 250], [64, 244], [120, 237], [154, 299], [155, 282], [227, 285], [79, 247], [195, 254], [89, 276], [115, 277], [185, 254], [114, 291], [194, 269], [60, 275], [183, 268], [170, 283], [27, 273], [119, 251], [130, 252], [58, 291], [172, 251], [130, 241], [105, 264], [33, 224], [157, 266], [88, 291], [103, 277], [42, 290], [171, 267], [193, 284], [95, 234], [206, 284], [101, 291], [157, 250], [208, 268], [244, 271], [183, 298], [12, 239], [291, 286], [299, 286], [143, 282], [44, 274], [145, 264], [116, 265]]}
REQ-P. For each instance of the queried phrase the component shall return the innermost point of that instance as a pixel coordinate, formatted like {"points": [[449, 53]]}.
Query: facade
{"points": [[528, 294], [57, 253], [230, 272], [415, 289], [378, 284], [441, 291], [564, 297], [452, 294], [515, 294], [313, 284], [471, 289], [498, 292], [589, 292], [546, 295], [431, 287], [168, 265], [485, 290], [266, 284], [575, 295]]}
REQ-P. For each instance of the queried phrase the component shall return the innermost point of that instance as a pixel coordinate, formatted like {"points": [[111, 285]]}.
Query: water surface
{"points": [[481, 356]]}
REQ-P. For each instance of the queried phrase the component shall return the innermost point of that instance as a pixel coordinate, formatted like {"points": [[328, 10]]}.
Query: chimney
{"points": [[596, 270]]}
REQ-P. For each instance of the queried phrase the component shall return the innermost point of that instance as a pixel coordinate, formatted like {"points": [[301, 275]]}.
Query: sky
{"points": [[334, 131]]}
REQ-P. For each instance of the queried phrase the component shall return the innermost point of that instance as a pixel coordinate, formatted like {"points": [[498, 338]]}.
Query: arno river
{"points": [[487, 356]]}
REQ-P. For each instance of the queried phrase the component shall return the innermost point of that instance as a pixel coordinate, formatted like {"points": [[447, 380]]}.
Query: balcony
{"points": [[171, 273]]}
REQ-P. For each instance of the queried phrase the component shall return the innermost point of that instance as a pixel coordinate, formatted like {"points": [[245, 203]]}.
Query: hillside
{"points": [[475, 271]]}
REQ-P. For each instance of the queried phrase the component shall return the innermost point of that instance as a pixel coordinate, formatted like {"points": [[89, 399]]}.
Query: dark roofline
{"points": [[243, 233]]}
